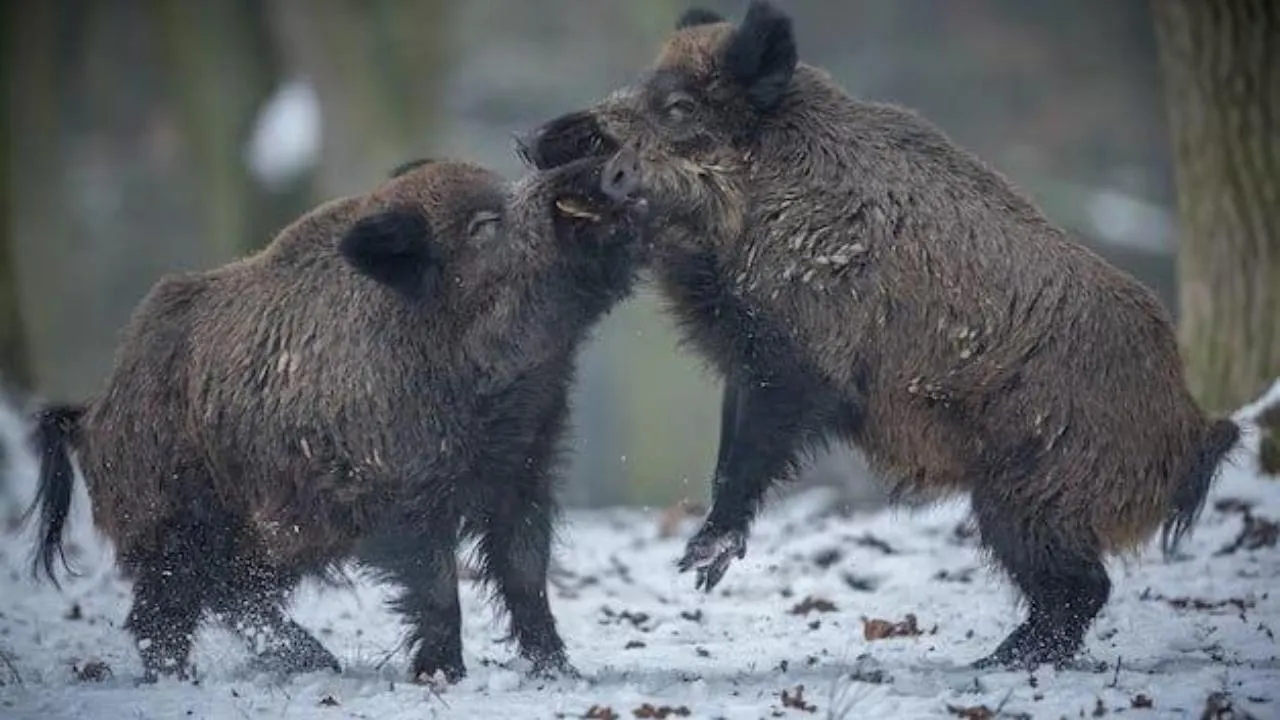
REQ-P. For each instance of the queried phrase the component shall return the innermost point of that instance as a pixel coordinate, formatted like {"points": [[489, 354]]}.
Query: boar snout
{"points": [[562, 140]]}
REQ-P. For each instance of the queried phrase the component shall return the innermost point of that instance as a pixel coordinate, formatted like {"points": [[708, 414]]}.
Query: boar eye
{"points": [[484, 225], [678, 106]]}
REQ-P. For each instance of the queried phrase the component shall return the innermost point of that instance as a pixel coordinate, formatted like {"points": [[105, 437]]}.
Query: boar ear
{"points": [[393, 247], [698, 16], [761, 55]]}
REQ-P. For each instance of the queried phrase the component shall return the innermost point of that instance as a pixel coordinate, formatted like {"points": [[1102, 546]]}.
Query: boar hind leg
{"points": [[427, 571], [253, 607], [764, 426], [168, 602], [1063, 580]]}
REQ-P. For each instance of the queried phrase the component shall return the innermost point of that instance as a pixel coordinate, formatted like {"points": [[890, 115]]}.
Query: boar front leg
{"points": [[516, 549], [425, 566], [764, 425]]}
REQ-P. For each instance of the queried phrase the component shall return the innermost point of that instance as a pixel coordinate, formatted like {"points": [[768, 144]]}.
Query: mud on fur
{"points": [[855, 276], [388, 376]]}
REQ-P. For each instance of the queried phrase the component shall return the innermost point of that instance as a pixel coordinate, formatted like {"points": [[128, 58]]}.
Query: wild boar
{"points": [[388, 377], [856, 276]]}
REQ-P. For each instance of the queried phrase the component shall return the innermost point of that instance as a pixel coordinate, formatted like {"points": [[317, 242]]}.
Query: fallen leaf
{"points": [[827, 558], [976, 712], [92, 671], [600, 712], [813, 604], [648, 710], [796, 700], [329, 701], [1141, 701], [871, 541], [876, 629], [861, 584]]}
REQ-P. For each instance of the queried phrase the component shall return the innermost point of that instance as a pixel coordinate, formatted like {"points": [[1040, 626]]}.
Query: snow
{"points": [[286, 135], [1179, 630], [1124, 219]]}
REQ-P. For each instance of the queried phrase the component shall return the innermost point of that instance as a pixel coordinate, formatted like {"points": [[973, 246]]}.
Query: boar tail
{"points": [[56, 431], [1193, 487]]}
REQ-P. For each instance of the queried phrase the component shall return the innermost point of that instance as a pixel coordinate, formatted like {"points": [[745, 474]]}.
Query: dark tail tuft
{"points": [[1190, 495], [56, 428]]}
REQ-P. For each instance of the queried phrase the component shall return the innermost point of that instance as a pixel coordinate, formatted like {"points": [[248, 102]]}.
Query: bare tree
{"points": [[13, 351], [13, 347], [31, 70], [1221, 64], [222, 66], [378, 67]]}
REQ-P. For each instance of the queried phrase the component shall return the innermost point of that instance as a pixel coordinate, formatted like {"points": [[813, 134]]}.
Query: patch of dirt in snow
{"points": [[869, 616]]}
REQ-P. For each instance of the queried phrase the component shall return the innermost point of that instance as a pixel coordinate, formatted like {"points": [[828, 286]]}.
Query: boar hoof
{"points": [[556, 667], [152, 675], [425, 670], [1027, 647], [298, 663], [710, 552]]}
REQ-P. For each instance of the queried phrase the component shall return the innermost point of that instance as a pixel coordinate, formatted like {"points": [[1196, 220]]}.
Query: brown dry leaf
{"points": [[796, 700], [977, 712], [648, 710], [876, 629], [92, 671], [329, 701], [600, 712], [1141, 701], [813, 604]]}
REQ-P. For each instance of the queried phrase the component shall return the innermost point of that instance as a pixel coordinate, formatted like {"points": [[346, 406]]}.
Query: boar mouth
{"points": [[578, 208], [558, 142], [600, 189], [574, 207]]}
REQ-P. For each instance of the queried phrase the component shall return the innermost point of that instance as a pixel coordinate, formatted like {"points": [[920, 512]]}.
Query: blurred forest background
{"points": [[150, 136]]}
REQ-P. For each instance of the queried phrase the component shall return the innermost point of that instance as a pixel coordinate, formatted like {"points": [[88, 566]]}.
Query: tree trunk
{"points": [[222, 68], [378, 67], [1221, 65], [14, 372], [34, 73]]}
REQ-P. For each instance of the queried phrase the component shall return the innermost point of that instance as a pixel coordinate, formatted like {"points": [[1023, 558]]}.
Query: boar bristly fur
{"points": [[854, 275], [387, 378]]}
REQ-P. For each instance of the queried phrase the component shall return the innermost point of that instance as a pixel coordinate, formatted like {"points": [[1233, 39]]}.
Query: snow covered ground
{"points": [[785, 634]]}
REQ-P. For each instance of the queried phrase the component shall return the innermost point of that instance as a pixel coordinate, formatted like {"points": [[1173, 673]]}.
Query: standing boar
{"points": [[389, 376], [854, 275]]}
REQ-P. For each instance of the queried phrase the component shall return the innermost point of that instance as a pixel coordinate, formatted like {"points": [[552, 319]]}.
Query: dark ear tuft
{"points": [[392, 247], [698, 16], [761, 55], [405, 167]]}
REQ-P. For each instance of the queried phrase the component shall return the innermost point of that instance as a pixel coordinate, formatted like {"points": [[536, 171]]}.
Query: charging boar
{"points": [[389, 376], [856, 276]]}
